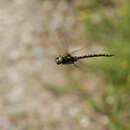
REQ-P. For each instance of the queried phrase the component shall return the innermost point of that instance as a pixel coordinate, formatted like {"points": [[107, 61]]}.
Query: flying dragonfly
{"points": [[68, 58]]}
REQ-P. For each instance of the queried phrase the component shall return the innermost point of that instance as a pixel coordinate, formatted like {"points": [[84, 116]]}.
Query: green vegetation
{"points": [[112, 30]]}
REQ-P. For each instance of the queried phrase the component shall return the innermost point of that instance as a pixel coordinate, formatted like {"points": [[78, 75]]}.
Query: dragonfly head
{"points": [[59, 60]]}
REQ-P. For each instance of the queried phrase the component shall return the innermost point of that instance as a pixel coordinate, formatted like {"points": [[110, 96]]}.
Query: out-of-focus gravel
{"points": [[25, 43]]}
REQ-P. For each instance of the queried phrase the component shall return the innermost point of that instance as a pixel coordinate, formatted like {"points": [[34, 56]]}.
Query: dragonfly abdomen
{"points": [[95, 55]]}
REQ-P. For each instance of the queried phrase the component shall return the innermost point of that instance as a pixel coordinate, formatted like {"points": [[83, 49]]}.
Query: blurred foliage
{"points": [[111, 29], [97, 4]]}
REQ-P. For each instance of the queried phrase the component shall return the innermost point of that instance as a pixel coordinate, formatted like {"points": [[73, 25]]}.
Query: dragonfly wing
{"points": [[77, 50], [64, 42], [82, 67]]}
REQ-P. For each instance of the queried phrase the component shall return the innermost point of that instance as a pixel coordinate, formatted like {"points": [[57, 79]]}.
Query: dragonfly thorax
{"points": [[66, 59]]}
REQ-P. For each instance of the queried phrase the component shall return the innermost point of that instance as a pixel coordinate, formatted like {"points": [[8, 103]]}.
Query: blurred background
{"points": [[37, 94]]}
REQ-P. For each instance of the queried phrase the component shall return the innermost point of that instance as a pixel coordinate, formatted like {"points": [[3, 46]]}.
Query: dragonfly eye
{"points": [[59, 60]]}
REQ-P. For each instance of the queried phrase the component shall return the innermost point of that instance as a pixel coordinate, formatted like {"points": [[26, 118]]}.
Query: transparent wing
{"points": [[77, 50], [63, 41]]}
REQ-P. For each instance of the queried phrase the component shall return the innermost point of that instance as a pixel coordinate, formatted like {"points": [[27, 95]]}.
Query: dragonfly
{"points": [[68, 58]]}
